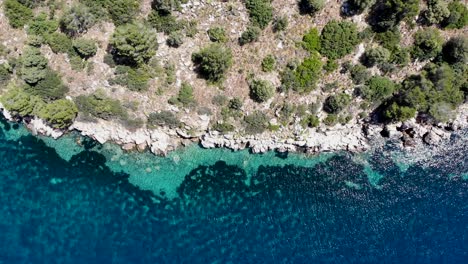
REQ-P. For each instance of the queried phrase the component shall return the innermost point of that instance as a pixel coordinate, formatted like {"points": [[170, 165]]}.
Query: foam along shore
{"points": [[352, 137]]}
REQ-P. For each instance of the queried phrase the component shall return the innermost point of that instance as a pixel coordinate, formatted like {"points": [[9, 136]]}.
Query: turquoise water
{"points": [[63, 202]]}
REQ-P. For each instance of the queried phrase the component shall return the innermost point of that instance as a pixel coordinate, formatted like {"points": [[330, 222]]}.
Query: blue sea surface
{"points": [[63, 202]]}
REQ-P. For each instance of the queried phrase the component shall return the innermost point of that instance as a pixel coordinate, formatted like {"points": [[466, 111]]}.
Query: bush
{"points": [[280, 24], [165, 7], [175, 39], [260, 12], [307, 74], [261, 90], [235, 104], [437, 11], [338, 39], [268, 63], [164, 23], [134, 79], [4, 74], [376, 56], [21, 103], [427, 44], [49, 88], [223, 127], [456, 50], [60, 43], [389, 39], [163, 118], [123, 11], [400, 57], [458, 17], [59, 113], [359, 74], [133, 44], [86, 48], [41, 26], [358, 6], [18, 15], [310, 121], [336, 103], [185, 95], [387, 14], [331, 66], [396, 112], [256, 123], [378, 88], [213, 61], [250, 35], [442, 112], [33, 65], [311, 6], [311, 40], [101, 106], [217, 34], [77, 20], [331, 120]]}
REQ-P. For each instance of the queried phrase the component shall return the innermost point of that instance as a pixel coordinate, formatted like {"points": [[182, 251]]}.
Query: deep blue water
{"points": [[80, 211]]}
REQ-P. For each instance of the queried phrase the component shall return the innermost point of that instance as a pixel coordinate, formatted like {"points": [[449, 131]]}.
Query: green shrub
{"points": [[331, 120], [217, 34], [223, 127], [49, 88], [311, 40], [261, 90], [135, 79], [59, 113], [133, 44], [338, 39], [376, 56], [175, 39], [60, 43], [359, 74], [165, 7], [185, 95], [268, 63], [400, 57], [21, 103], [260, 12], [213, 61], [163, 118], [164, 23], [35, 41], [427, 44], [123, 11], [336, 103], [436, 12], [235, 104], [42, 26], [389, 39], [4, 74], [458, 17], [359, 6], [378, 88], [456, 50], [251, 34], [256, 123], [331, 66], [77, 20], [307, 74], [387, 14], [18, 15], [86, 48], [442, 112], [101, 106], [311, 6], [396, 112], [280, 24], [33, 65]]}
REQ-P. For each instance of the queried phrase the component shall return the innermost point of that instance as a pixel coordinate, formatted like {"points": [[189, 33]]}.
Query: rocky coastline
{"points": [[357, 137]]}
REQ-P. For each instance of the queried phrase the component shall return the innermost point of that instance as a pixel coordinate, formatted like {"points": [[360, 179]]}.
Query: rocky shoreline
{"points": [[353, 137]]}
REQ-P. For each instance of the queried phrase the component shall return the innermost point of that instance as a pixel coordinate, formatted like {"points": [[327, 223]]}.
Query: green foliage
{"points": [[256, 123], [307, 74], [396, 112], [185, 95], [217, 34], [60, 43], [42, 26], [427, 44], [359, 6], [331, 66], [458, 17], [389, 13], [223, 127], [101, 106], [235, 104], [378, 88], [133, 44], [164, 23], [213, 61], [280, 24], [442, 112], [437, 11], [310, 121], [21, 103], [135, 79], [33, 65], [86, 48], [389, 39], [268, 63], [400, 57], [338, 39], [59, 113], [31, 3], [163, 118], [123, 11], [50, 87], [376, 56], [4, 74], [165, 7], [175, 39], [331, 120], [359, 74], [261, 90], [260, 12], [311, 40], [77, 20], [336, 103], [18, 15], [250, 35], [456, 50], [311, 6]]}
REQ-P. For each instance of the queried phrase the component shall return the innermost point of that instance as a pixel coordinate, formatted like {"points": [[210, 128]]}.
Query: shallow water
{"points": [[66, 203]]}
